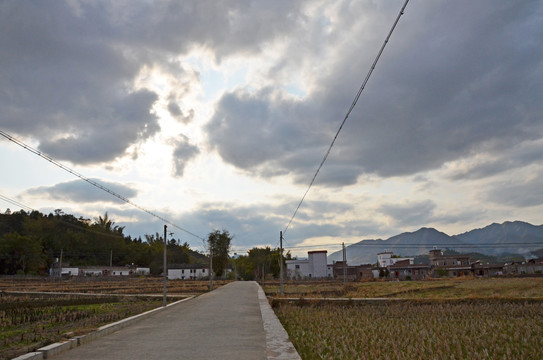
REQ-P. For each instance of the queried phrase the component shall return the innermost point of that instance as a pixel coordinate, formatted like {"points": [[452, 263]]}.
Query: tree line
{"points": [[30, 242]]}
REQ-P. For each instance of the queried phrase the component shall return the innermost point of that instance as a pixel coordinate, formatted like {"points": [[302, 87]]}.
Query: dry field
{"points": [[31, 320], [442, 319], [450, 288], [107, 285], [413, 330], [28, 322]]}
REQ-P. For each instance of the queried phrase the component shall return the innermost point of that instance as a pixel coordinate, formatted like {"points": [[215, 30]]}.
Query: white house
{"points": [[143, 271], [69, 271], [188, 272], [315, 266], [92, 271], [387, 258]]}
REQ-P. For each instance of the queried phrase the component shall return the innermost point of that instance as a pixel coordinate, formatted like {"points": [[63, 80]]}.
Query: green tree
{"points": [[219, 246], [21, 254], [107, 225], [261, 261]]}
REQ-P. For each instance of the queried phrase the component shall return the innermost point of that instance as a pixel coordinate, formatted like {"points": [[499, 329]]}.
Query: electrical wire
{"points": [[16, 203], [78, 227], [94, 183], [348, 113]]}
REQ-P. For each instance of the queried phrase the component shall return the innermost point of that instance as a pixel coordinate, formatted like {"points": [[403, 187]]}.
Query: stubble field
{"points": [[444, 319]]}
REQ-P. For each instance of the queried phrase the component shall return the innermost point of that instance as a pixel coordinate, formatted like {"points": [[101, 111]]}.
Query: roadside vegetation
{"points": [[28, 322], [462, 318]]}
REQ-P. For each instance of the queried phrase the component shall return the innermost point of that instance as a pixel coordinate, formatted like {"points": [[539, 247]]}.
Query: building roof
{"points": [[187, 266]]}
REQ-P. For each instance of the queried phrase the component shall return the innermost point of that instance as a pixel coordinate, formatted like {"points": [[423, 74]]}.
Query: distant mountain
{"points": [[406, 244], [492, 240], [510, 237]]}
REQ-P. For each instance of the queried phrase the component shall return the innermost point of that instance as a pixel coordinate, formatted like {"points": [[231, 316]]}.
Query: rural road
{"points": [[227, 323]]}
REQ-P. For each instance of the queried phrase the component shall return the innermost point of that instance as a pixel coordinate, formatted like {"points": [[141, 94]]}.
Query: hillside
{"points": [[31, 242], [509, 237]]}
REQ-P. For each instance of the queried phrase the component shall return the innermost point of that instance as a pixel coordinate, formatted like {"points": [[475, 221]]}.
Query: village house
{"points": [[530, 267], [68, 270], [405, 270], [354, 272], [455, 265], [314, 267], [188, 271], [387, 258], [486, 270]]}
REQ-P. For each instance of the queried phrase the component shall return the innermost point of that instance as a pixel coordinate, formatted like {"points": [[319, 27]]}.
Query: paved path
{"points": [[227, 323]]}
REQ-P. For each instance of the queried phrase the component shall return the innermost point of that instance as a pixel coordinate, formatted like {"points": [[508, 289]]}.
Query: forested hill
{"points": [[31, 242]]}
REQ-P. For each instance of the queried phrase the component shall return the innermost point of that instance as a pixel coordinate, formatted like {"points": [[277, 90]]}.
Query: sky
{"points": [[216, 115]]}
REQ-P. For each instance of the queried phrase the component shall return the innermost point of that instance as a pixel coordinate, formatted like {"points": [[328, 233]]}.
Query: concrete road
{"points": [[223, 324]]}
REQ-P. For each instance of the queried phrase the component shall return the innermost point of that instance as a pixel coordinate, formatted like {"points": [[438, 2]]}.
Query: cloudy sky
{"points": [[216, 115]]}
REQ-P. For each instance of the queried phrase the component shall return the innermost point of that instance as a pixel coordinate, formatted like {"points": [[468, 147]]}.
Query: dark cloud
{"points": [[67, 68], [469, 79], [64, 82], [407, 214], [255, 225], [184, 151], [518, 193], [519, 156], [178, 114], [80, 191]]}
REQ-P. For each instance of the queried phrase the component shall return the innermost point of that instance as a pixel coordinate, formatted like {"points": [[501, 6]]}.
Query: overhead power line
{"points": [[16, 203], [75, 226], [94, 183], [502, 245], [348, 113]]}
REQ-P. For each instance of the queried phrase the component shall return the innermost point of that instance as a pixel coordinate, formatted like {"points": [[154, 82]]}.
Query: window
{"points": [[297, 266]]}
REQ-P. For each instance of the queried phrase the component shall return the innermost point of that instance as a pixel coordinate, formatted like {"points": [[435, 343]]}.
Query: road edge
{"points": [[278, 344]]}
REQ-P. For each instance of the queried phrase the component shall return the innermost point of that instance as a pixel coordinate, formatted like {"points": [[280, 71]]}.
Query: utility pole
{"points": [[235, 266], [281, 261], [60, 265], [210, 267], [165, 268], [344, 265]]}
